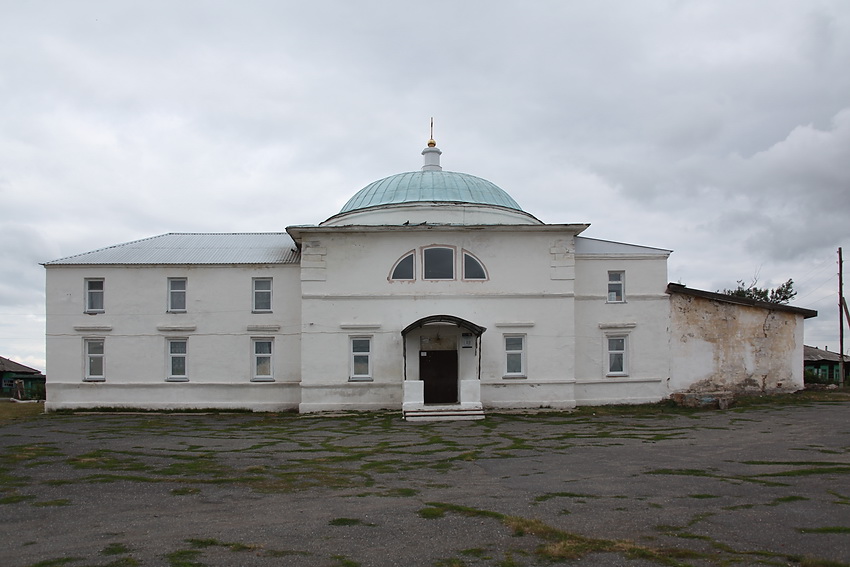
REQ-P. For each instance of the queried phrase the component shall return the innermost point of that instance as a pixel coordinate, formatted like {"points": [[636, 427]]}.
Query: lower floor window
{"points": [[94, 359], [617, 360], [515, 355], [263, 367], [177, 353], [361, 358]]}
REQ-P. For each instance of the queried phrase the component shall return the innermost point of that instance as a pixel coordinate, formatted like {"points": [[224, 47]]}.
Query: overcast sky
{"points": [[720, 130]]}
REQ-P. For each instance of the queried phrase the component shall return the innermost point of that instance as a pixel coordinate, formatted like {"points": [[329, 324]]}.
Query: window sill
{"points": [[617, 375], [94, 379], [514, 377], [94, 311], [266, 379], [616, 302], [360, 379], [178, 379], [176, 311], [258, 311]]}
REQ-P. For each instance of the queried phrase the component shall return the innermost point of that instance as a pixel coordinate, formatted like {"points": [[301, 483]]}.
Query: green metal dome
{"points": [[430, 186]]}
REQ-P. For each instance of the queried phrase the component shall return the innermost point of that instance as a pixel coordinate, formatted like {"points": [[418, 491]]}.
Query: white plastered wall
{"points": [[135, 325], [643, 318], [347, 292]]}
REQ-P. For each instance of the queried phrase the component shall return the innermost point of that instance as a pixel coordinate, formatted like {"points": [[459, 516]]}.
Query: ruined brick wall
{"points": [[719, 346]]}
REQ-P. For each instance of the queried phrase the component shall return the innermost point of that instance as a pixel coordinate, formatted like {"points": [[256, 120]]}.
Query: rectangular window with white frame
{"points": [[515, 356], [178, 353], [617, 355], [361, 359], [262, 360], [94, 295], [95, 360], [262, 295], [177, 295], [616, 287]]}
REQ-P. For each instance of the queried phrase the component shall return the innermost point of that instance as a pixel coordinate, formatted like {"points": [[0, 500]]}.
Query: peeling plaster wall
{"points": [[720, 346]]}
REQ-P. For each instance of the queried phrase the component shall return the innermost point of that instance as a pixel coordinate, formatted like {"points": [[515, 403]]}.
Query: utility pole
{"points": [[842, 308]]}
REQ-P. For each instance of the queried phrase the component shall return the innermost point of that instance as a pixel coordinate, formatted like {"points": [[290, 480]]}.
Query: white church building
{"points": [[431, 292]]}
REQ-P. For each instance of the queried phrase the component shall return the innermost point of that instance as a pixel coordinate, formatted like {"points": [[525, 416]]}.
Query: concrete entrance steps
{"points": [[443, 413]]}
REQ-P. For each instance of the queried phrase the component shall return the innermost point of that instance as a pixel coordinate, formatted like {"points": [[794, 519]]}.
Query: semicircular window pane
{"points": [[404, 269], [472, 268]]}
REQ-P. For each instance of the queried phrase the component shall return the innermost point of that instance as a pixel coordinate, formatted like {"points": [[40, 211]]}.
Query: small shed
{"points": [[723, 343], [822, 366], [21, 382]]}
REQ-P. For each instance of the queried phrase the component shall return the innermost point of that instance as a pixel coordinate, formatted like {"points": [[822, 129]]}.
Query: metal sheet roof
{"points": [[194, 248]]}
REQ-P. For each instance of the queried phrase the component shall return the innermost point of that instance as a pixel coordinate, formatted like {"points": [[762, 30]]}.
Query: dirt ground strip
{"points": [[755, 486]]}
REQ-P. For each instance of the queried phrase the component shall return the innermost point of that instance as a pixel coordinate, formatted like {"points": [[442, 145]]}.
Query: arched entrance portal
{"points": [[442, 364]]}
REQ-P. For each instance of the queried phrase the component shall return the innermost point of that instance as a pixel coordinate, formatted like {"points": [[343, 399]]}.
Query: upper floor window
{"points": [[262, 294], [439, 263], [94, 359], [472, 268], [94, 295], [616, 287], [177, 294], [403, 269]]}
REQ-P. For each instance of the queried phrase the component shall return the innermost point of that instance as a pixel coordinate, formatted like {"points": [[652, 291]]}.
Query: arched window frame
{"points": [[409, 254], [453, 250], [464, 254]]}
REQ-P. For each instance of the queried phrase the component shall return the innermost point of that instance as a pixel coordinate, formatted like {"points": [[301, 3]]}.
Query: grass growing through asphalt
{"points": [[378, 455]]}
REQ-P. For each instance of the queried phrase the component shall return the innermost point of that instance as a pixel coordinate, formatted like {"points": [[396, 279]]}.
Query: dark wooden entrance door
{"points": [[438, 369]]}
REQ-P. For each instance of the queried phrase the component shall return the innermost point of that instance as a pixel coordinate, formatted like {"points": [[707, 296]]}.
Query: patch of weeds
{"points": [[123, 562], [193, 465], [706, 474], [559, 545], [550, 495], [343, 561], [739, 507], [115, 549], [825, 530], [349, 522], [285, 553], [508, 561], [452, 562], [785, 500], [809, 467], [57, 502], [57, 482], [107, 460], [16, 454], [702, 496], [56, 562], [655, 505], [840, 498], [402, 492], [184, 558], [479, 552], [184, 490], [202, 543], [15, 498], [432, 513]]}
